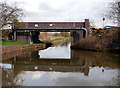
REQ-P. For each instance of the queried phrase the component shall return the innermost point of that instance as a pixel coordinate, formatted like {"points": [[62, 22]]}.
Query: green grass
{"points": [[54, 40], [7, 43]]}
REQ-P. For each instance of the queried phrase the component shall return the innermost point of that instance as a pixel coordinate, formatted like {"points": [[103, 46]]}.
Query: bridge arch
{"points": [[29, 31]]}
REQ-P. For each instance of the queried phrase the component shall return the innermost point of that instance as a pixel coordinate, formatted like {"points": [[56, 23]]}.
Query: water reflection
{"points": [[61, 51], [82, 69]]}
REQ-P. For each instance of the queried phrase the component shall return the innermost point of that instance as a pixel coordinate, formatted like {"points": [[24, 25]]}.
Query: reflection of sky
{"points": [[56, 52], [96, 78], [4, 65]]}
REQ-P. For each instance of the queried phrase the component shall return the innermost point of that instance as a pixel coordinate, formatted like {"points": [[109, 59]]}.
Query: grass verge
{"points": [[7, 43]]}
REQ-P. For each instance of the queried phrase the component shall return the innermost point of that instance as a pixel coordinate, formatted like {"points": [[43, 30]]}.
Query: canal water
{"points": [[61, 66]]}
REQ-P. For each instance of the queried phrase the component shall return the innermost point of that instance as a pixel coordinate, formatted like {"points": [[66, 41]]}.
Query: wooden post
{"points": [[14, 35]]}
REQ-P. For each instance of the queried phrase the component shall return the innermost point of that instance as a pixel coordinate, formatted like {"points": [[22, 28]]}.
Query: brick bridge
{"points": [[29, 32]]}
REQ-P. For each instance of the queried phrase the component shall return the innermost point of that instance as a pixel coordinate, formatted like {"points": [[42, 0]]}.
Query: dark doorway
{"points": [[76, 36], [35, 37]]}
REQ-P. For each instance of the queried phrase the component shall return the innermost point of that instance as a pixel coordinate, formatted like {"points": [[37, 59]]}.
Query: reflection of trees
{"points": [[114, 82], [0, 77], [96, 58], [119, 79], [64, 42], [23, 62], [8, 78]]}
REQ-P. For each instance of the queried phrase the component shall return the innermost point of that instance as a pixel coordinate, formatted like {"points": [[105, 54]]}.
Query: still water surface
{"points": [[60, 66], [59, 52]]}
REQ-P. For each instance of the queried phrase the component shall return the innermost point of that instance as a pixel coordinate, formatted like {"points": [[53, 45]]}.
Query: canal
{"points": [[61, 66]]}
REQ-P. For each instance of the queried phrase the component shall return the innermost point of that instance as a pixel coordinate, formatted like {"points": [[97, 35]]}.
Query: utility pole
{"points": [[104, 15]]}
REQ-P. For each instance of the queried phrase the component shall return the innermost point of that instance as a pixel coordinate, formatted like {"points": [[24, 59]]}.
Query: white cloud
{"points": [[64, 10]]}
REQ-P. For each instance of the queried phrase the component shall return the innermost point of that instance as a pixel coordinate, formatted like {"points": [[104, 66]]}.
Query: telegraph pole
{"points": [[104, 15]]}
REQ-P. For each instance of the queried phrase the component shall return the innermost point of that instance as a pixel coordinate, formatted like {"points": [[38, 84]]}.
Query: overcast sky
{"points": [[64, 10]]}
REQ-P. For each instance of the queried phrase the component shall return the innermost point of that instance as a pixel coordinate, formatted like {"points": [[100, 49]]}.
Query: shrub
{"points": [[110, 40]]}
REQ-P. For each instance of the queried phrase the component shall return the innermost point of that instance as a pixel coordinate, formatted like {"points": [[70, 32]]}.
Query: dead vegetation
{"points": [[110, 40]]}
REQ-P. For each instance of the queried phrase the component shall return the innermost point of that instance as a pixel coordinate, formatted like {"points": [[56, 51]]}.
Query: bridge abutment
{"points": [[27, 36], [31, 30]]}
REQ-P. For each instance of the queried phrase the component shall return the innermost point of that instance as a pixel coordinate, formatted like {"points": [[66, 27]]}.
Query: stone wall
{"points": [[13, 48], [85, 24]]}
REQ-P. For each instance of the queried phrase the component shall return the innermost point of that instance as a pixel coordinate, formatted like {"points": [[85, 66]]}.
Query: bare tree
{"points": [[114, 12], [92, 24], [9, 13]]}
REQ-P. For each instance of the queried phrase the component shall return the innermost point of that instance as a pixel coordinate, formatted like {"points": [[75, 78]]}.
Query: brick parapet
{"points": [[57, 24]]}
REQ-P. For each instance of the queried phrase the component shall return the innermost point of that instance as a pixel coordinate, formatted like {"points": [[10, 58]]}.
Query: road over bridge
{"points": [[30, 31]]}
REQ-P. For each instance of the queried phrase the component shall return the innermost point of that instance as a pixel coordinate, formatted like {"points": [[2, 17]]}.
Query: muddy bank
{"points": [[59, 41], [56, 41]]}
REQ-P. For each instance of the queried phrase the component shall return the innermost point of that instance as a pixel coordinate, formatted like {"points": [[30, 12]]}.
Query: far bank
{"points": [[104, 40]]}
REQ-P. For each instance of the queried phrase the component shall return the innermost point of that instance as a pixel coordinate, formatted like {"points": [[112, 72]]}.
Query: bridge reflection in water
{"points": [[31, 62], [80, 61]]}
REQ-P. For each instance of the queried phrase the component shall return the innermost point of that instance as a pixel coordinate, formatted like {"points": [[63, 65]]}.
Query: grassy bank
{"points": [[109, 41], [7, 43]]}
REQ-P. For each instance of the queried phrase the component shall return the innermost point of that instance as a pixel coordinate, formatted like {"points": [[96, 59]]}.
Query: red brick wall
{"points": [[54, 24], [24, 39], [87, 24], [57, 24]]}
